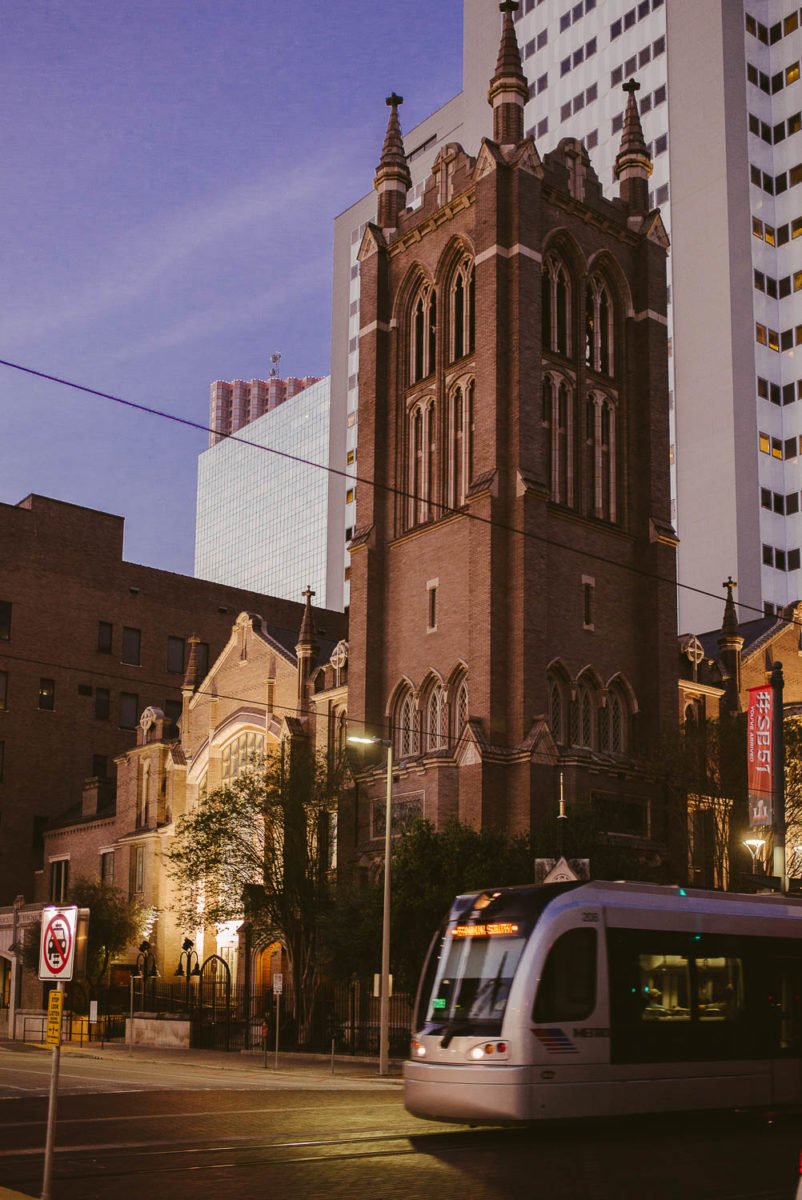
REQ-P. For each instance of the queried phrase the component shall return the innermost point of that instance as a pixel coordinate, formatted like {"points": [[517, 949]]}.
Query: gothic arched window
{"points": [[460, 443], [461, 712], [463, 321], [422, 333], [602, 465], [598, 326], [436, 730], [557, 708], [422, 460], [556, 306], [584, 732], [404, 732]]}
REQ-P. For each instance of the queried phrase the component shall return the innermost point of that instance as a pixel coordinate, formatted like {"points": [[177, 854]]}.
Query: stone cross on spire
{"points": [[392, 180], [633, 163], [509, 90]]}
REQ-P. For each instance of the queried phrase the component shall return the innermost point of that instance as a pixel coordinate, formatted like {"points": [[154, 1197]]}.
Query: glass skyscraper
{"points": [[262, 515]]}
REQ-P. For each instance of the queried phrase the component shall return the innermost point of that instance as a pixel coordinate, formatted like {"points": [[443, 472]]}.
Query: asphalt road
{"points": [[173, 1128]]}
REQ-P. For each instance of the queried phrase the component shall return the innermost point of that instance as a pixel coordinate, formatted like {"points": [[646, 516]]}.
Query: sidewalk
{"points": [[253, 1062]]}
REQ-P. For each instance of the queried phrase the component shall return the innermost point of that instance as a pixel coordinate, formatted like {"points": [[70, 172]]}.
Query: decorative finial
{"points": [[730, 583], [308, 594], [393, 101], [631, 85], [508, 6]]}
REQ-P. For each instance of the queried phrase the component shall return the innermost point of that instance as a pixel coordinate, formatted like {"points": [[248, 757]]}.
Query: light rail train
{"points": [[583, 999]]}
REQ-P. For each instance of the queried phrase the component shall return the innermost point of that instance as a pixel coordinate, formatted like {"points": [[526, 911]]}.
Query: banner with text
{"points": [[759, 751]]}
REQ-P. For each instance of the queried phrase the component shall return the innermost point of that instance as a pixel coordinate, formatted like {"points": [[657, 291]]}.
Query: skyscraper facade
{"points": [[263, 503], [720, 110]]}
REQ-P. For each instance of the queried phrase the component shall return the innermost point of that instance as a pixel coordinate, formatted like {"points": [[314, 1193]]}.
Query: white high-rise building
{"points": [[720, 105], [263, 518]]}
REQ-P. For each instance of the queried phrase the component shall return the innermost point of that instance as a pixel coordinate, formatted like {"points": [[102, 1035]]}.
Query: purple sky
{"points": [[170, 174]]}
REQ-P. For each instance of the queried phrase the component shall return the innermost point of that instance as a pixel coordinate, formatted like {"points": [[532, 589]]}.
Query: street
{"points": [[129, 1127]]}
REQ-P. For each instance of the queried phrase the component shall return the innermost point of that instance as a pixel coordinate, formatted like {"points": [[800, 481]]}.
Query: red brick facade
{"points": [[62, 574], [513, 605]]}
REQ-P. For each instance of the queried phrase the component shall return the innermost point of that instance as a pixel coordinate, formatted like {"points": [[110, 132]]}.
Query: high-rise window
{"points": [[5, 620], [47, 694], [102, 704], [3, 690], [129, 710], [105, 631], [59, 880]]}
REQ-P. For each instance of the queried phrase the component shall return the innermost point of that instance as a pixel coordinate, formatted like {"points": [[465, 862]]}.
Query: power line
{"points": [[384, 487]]}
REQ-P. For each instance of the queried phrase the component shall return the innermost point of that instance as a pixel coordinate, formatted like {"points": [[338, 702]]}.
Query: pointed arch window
{"points": [[422, 333], [599, 326], [558, 414], [463, 320], [557, 709], [556, 306], [602, 464], [436, 731], [617, 739], [422, 461], [404, 732], [461, 710], [584, 723]]}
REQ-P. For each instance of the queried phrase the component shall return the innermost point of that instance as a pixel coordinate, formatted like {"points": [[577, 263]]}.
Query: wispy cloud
{"points": [[150, 257]]}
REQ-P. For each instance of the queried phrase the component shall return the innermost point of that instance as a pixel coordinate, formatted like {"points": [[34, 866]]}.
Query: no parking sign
{"points": [[57, 950]]}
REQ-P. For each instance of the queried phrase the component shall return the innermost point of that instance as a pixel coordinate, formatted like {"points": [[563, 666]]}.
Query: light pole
{"points": [[384, 1003], [187, 965], [754, 845]]}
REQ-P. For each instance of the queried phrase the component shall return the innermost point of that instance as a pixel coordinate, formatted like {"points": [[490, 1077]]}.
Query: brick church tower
{"points": [[513, 604]]}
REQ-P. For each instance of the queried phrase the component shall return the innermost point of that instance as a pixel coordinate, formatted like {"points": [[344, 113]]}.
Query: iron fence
{"points": [[344, 1013]]}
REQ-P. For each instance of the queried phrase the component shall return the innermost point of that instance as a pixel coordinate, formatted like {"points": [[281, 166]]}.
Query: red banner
{"points": [[759, 754]]}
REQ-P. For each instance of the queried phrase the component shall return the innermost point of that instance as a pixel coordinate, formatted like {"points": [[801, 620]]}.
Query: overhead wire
{"points": [[379, 486]]}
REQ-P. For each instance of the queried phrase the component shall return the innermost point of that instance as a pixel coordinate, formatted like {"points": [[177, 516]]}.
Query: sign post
{"points": [[56, 962], [278, 988]]}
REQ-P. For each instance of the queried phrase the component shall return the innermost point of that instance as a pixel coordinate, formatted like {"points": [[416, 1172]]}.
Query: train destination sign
{"points": [[57, 950], [498, 929]]}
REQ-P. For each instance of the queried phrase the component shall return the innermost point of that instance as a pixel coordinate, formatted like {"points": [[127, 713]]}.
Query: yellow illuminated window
{"points": [[790, 23], [776, 448], [765, 442], [760, 334], [351, 455], [774, 340], [351, 419], [796, 228], [792, 73], [768, 233], [349, 496], [757, 228]]}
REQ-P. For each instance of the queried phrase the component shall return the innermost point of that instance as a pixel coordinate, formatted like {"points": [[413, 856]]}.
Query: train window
{"points": [[782, 980], [719, 989], [664, 987], [567, 989]]}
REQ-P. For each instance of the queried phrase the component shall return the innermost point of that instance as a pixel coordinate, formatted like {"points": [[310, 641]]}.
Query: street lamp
{"points": [[145, 963], [384, 1003], [187, 965], [754, 845]]}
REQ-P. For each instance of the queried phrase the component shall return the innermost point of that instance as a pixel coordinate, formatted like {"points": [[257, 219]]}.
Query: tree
{"points": [[115, 922], [261, 848], [428, 870]]}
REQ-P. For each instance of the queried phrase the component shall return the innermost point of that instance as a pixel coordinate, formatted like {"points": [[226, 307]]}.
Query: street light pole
{"points": [[384, 1002]]}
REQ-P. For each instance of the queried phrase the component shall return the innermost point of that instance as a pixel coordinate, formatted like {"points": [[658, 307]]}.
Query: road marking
{"points": [[213, 1112]]}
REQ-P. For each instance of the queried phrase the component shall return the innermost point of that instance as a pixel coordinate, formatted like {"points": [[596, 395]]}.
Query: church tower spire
{"points": [[731, 644], [633, 163], [392, 180], [509, 90]]}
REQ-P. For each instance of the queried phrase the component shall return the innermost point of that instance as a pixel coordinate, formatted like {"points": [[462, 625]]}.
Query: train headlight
{"points": [[417, 1049], [488, 1050]]}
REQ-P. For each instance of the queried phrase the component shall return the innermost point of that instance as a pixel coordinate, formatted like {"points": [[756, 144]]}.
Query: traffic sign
{"points": [[57, 950], [54, 1004]]}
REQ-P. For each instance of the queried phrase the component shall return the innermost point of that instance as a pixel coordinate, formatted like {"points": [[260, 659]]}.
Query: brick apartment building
{"points": [[513, 608], [87, 642]]}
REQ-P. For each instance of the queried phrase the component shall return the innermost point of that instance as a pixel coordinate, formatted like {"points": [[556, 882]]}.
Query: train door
{"points": [[783, 982]]}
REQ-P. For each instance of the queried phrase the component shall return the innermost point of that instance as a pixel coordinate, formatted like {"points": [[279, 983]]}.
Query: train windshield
{"points": [[472, 964]]}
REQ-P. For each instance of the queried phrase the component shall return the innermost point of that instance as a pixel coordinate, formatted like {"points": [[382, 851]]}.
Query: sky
{"points": [[170, 171]]}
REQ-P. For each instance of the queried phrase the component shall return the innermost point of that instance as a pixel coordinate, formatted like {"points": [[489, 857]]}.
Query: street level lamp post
{"points": [[384, 1002], [754, 846], [188, 966]]}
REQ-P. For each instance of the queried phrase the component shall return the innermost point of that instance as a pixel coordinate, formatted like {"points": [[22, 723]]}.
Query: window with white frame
{"points": [[422, 333], [463, 321], [239, 753], [436, 727], [404, 731], [598, 326]]}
